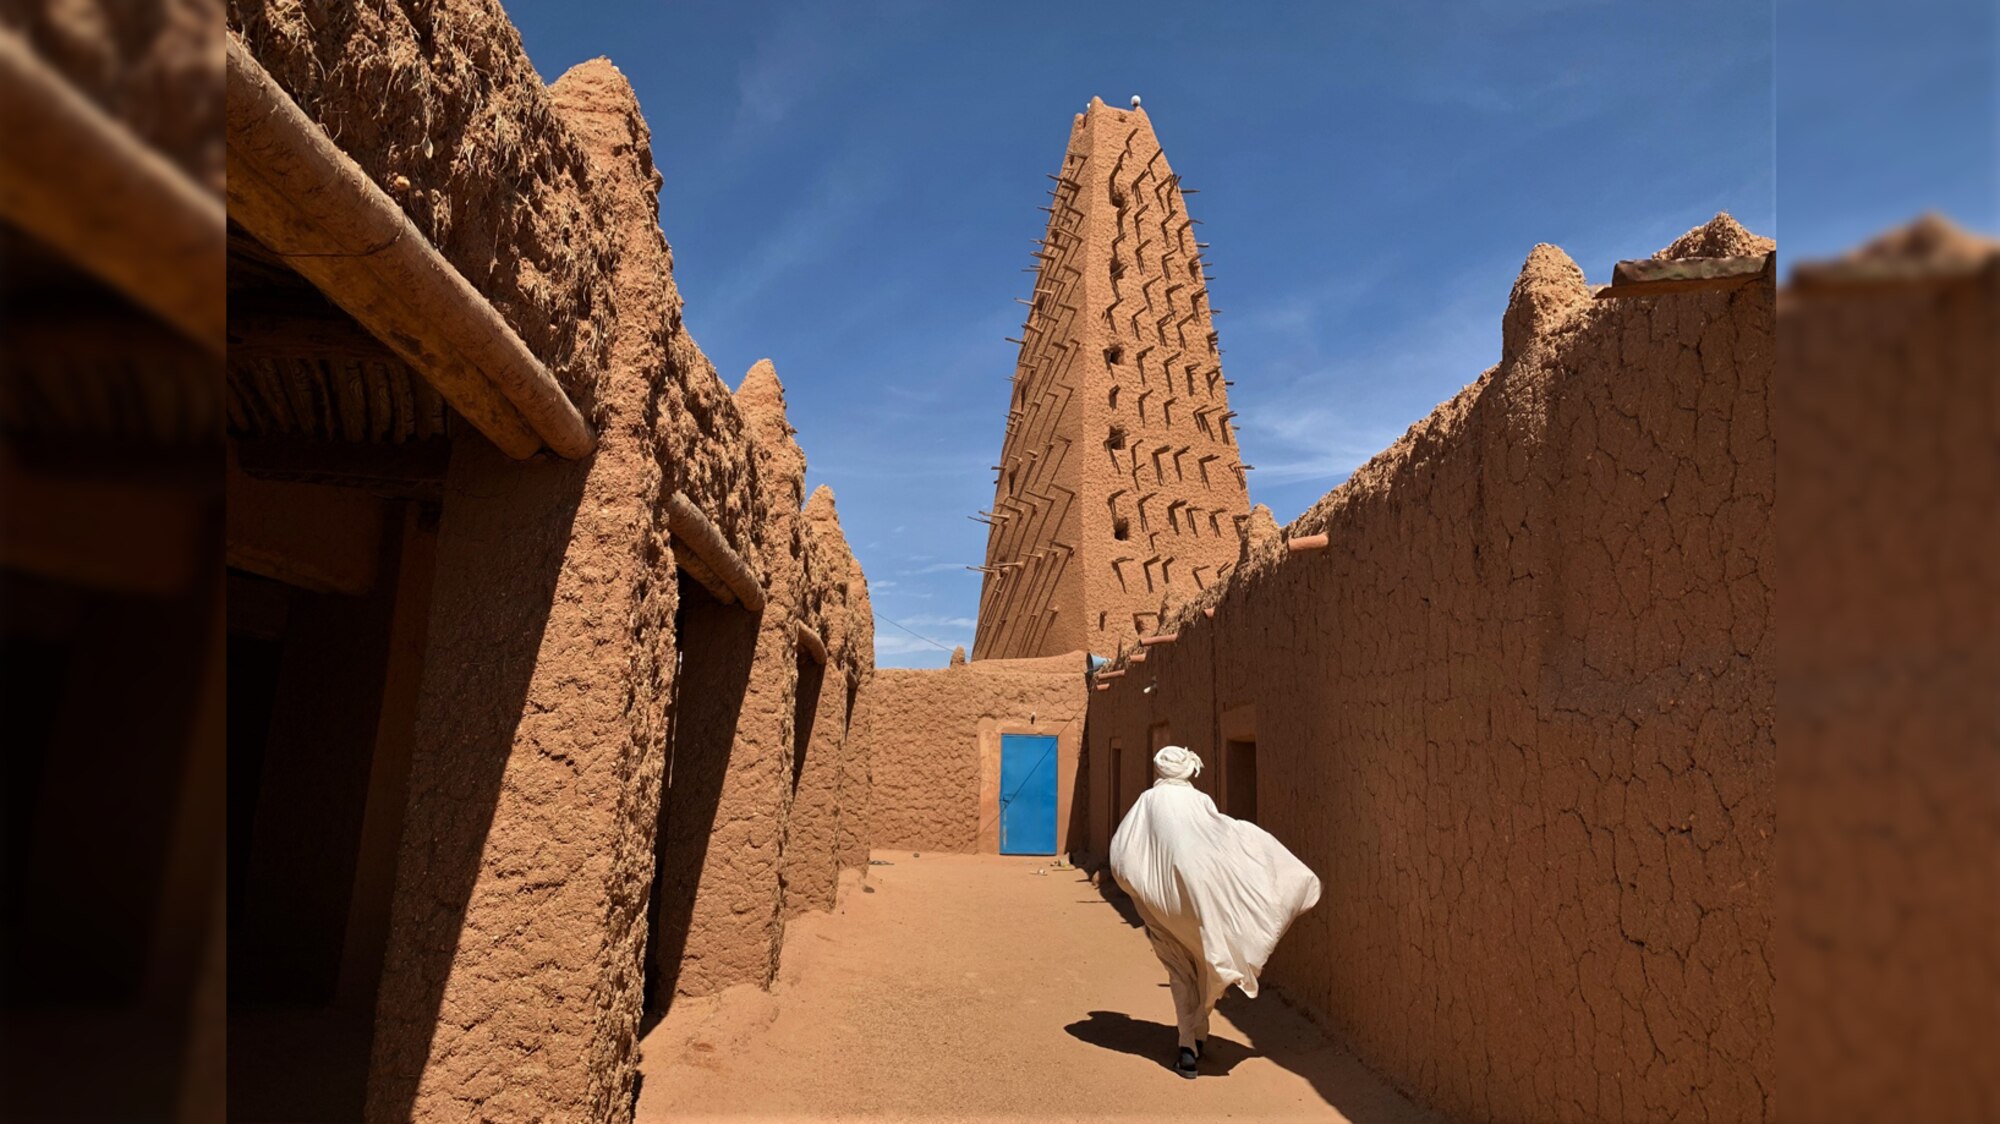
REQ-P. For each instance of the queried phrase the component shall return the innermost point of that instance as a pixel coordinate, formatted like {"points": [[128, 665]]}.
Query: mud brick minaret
{"points": [[1120, 489]]}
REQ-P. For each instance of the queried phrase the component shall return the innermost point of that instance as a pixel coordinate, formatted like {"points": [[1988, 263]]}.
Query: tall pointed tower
{"points": [[1120, 487]]}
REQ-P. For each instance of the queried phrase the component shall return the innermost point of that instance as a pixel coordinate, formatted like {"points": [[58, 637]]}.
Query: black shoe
{"points": [[1185, 1066]]}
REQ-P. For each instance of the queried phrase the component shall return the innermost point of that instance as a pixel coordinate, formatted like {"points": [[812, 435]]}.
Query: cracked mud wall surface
{"points": [[1891, 796], [1518, 717], [515, 975], [931, 737]]}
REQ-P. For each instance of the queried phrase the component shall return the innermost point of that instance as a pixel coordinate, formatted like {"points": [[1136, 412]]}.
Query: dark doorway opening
{"points": [[1115, 790], [715, 644], [102, 689], [805, 707], [1240, 779], [321, 699]]}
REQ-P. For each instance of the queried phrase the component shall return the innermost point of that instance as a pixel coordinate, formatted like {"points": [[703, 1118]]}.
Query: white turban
{"points": [[1176, 763]]}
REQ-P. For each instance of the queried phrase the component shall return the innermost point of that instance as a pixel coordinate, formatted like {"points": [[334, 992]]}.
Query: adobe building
{"points": [[1120, 495], [111, 512], [1120, 489], [550, 696], [541, 661], [1886, 360], [1509, 690], [980, 758]]}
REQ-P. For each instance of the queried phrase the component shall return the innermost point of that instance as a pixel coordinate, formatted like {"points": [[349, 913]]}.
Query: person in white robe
{"points": [[1215, 893]]}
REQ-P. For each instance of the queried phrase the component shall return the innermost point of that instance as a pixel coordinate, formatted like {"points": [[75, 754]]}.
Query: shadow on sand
{"points": [[1286, 1035], [1155, 1041], [1276, 1027], [1106, 892], [1278, 1032]]}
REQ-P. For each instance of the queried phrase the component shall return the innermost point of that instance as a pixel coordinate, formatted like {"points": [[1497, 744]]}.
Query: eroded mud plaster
{"points": [[1518, 716]]}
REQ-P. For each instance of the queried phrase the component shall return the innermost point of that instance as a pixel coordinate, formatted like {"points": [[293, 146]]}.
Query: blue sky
{"points": [[851, 190], [1885, 110]]}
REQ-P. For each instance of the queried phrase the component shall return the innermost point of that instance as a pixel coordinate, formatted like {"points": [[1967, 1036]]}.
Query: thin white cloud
{"points": [[897, 644], [1324, 424], [935, 621], [913, 636], [786, 66], [845, 192], [808, 48]]}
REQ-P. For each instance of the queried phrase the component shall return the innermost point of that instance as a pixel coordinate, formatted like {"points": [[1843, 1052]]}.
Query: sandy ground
{"points": [[971, 987]]}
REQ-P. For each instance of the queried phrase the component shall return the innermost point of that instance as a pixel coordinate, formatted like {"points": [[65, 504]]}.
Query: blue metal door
{"points": [[1027, 794]]}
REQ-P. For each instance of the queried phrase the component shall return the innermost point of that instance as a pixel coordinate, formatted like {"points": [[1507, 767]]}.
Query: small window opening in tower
{"points": [[1117, 196], [1121, 528], [1116, 438], [1117, 268], [1101, 617], [1114, 355]]}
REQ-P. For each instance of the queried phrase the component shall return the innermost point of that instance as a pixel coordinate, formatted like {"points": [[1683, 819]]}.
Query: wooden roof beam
{"points": [[296, 192], [713, 560]]}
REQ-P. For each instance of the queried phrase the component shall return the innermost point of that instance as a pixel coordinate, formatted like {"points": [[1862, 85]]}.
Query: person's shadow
{"points": [[1155, 1042], [1290, 1042]]}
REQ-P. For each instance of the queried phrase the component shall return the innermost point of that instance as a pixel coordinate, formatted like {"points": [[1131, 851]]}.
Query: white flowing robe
{"points": [[1216, 894]]}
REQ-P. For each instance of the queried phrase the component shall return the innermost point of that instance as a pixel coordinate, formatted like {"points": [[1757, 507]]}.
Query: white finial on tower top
{"points": [[1135, 101]]}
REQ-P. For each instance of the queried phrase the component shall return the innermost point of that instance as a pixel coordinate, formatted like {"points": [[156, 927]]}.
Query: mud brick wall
{"points": [[531, 865], [732, 847], [1518, 716], [827, 825], [1891, 464], [1120, 484], [932, 740]]}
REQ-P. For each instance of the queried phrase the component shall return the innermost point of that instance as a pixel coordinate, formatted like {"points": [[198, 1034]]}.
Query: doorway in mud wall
{"points": [[328, 607], [805, 708], [1027, 812], [1158, 737], [1114, 789], [1240, 779], [1132, 770], [715, 643], [108, 677], [1238, 795], [1135, 773]]}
